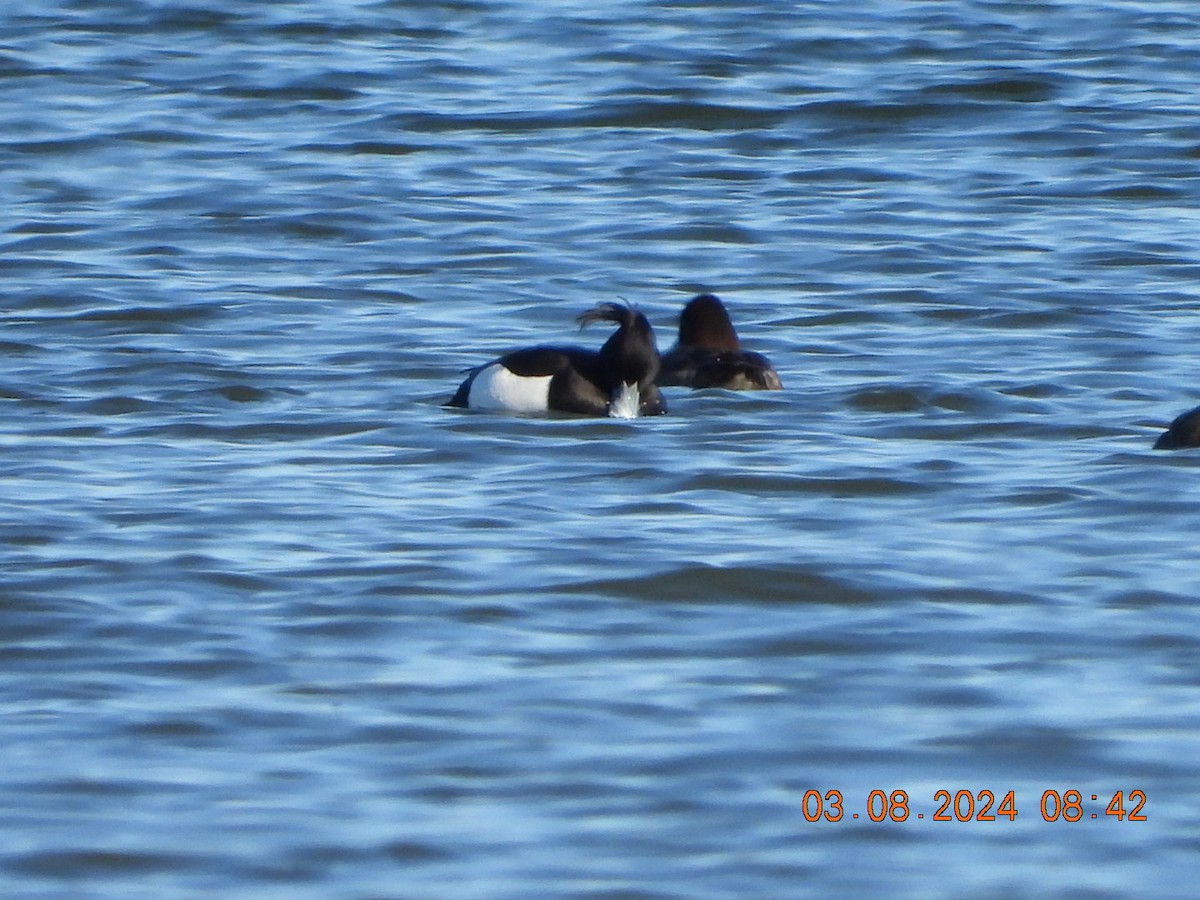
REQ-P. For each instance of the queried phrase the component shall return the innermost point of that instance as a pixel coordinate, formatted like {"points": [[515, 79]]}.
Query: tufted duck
{"points": [[708, 353], [616, 381]]}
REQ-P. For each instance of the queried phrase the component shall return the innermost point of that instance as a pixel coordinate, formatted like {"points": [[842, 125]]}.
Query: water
{"points": [[276, 624]]}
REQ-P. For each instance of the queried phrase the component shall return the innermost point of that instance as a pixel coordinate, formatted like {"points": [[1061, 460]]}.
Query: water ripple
{"points": [[254, 569]]}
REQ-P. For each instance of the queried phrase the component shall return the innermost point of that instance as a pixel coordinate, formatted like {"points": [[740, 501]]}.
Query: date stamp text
{"points": [[1070, 805]]}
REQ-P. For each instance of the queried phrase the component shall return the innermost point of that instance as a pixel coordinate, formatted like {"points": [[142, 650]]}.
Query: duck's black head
{"points": [[628, 362], [1183, 432], [705, 323], [630, 355]]}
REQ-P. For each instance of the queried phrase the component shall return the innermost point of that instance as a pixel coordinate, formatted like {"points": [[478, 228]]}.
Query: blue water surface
{"points": [[275, 623]]}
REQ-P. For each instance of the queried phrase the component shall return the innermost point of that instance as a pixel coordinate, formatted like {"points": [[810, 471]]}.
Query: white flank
{"points": [[625, 402], [497, 388]]}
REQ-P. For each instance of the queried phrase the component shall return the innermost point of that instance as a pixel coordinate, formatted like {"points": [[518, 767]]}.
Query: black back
{"points": [[1183, 432]]}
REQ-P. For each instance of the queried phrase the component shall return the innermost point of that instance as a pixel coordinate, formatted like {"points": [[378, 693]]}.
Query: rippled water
{"points": [[274, 623]]}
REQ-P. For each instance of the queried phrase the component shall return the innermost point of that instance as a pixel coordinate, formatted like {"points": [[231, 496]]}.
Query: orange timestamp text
{"points": [[1071, 805]]}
